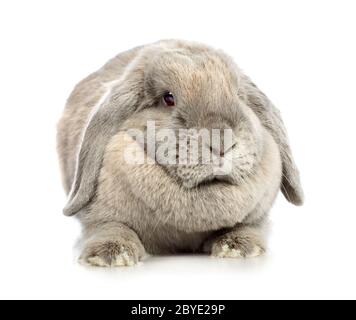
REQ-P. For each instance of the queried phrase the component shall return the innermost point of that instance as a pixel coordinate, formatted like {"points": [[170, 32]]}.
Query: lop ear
{"points": [[120, 101], [270, 117]]}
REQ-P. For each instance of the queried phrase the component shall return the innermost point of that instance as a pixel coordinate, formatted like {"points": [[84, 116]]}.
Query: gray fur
{"points": [[127, 209]]}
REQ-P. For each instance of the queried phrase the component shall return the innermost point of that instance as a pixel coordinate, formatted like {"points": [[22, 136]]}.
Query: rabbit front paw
{"points": [[112, 253], [233, 246]]}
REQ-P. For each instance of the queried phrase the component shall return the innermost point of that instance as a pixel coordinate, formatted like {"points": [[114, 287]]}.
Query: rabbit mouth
{"points": [[199, 176], [218, 180], [214, 181]]}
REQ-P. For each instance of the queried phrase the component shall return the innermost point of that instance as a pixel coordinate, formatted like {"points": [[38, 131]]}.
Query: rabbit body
{"points": [[128, 209]]}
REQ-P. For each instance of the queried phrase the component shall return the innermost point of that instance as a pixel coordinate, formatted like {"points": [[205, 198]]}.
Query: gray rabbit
{"points": [[130, 209]]}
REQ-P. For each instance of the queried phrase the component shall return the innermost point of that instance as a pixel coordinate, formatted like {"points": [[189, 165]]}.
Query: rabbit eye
{"points": [[168, 99]]}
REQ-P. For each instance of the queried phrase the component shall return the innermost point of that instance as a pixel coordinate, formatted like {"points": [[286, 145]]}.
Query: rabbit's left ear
{"points": [[270, 117]]}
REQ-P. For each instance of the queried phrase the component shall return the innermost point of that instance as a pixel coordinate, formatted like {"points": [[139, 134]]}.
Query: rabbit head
{"points": [[198, 101], [203, 132]]}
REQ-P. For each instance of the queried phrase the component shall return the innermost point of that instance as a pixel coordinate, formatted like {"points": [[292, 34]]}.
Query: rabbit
{"points": [[131, 210]]}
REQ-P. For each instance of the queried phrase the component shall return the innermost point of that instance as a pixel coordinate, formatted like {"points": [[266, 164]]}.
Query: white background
{"points": [[301, 53]]}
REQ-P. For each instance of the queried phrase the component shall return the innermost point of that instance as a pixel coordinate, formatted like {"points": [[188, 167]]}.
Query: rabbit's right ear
{"points": [[119, 102]]}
